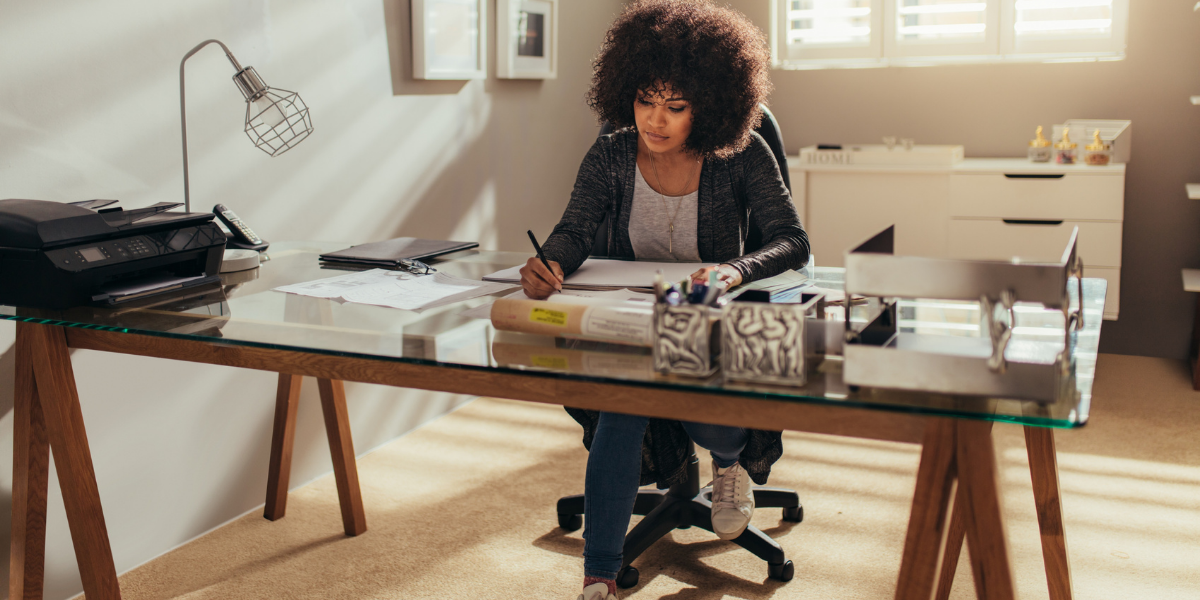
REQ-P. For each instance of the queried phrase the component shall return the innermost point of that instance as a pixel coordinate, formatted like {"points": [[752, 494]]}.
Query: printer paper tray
{"points": [[126, 291]]}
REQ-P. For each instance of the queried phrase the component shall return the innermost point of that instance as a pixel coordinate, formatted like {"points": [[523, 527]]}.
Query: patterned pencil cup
{"points": [[685, 340], [764, 343]]}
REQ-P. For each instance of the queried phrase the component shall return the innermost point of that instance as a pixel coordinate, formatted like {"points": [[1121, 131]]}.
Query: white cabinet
{"points": [[983, 209], [914, 203]]}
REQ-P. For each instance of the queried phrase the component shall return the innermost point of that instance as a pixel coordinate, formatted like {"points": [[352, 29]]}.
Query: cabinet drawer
{"points": [[1070, 196], [1099, 243]]}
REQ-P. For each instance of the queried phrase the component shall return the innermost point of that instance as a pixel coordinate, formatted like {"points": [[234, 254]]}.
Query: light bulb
{"points": [[268, 111]]}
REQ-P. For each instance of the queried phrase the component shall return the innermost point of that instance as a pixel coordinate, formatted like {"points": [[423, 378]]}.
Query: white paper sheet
{"points": [[334, 287], [396, 289]]}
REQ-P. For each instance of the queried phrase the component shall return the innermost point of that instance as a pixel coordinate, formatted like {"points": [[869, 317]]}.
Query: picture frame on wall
{"points": [[449, 39], [527, 39]]}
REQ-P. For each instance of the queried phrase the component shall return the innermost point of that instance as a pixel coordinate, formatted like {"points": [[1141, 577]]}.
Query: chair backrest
{"points": [[769, 130]]}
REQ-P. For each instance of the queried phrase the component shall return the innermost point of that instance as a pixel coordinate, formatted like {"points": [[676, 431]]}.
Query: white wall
{"points": [[89, 109]]}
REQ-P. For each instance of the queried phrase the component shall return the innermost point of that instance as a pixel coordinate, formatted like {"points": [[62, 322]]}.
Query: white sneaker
{"points": [[597, 591], [732, 501]]}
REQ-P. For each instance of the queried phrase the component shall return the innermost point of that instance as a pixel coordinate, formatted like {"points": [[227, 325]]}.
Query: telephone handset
{"points": [[241, 234]]}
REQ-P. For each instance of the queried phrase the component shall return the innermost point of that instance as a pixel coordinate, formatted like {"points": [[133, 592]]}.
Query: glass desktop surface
{"points": [[246, 311]]}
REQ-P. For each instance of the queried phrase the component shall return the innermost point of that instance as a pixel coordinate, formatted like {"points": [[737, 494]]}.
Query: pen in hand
{"points": [[541, 256]]}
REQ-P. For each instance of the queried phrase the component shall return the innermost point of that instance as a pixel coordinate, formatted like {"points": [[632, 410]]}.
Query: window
{"points": [[815, 33]]}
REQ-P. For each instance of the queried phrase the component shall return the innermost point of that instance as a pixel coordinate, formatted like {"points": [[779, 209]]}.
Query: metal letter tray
{"points": [[879, 354]]}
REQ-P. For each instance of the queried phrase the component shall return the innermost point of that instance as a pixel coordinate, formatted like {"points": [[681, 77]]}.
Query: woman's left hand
{"points": [[726, 274]]}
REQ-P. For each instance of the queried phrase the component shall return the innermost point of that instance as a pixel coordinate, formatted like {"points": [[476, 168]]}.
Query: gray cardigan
{"points": [[732, 192]]}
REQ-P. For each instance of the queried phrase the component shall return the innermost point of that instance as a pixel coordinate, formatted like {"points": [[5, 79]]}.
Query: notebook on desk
{"points": [[389, 253]]}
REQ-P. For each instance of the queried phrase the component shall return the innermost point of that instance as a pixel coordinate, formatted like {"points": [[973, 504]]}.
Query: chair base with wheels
{"points": [[683, 505]]}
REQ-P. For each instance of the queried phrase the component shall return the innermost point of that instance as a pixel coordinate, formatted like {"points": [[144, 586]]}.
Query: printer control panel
{"points": [[106, 252], [128, 249]]}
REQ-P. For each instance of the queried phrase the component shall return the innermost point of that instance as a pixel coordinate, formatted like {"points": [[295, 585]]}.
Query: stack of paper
{"points": [[784, 287], [605, 273], [396, 289]]}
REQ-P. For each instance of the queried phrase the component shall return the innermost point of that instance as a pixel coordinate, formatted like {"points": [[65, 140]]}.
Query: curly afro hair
{"points": [[713, 56]]}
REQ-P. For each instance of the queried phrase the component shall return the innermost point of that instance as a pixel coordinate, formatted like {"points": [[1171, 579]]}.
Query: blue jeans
{"points": [[613, 470]]}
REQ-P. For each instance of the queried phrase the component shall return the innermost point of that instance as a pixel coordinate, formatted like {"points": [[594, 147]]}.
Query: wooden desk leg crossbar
{"points": [[47, 413], [957, 459], [341, 448]]}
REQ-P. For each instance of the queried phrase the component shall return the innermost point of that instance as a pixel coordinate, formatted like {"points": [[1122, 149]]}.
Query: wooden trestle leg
{"points": [[954, 542], [1043, 467], [987, 542], [341, 448], [43, 349], [958, 469], [929, 521], [287, 400], [31, 462]]}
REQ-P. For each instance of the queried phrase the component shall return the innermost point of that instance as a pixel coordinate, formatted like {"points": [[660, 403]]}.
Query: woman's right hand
{"points": [[538, 281]]}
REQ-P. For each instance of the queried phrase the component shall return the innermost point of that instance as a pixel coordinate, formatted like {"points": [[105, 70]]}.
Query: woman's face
{"points": [[664, 119]]}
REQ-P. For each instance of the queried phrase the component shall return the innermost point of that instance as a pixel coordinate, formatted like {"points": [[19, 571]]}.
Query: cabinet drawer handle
{"points": [[1035, 175], [1032, 222]]}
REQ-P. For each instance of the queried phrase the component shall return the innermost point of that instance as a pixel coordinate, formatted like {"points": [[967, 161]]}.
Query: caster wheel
{"points": [[627, 578], [570, 522], [795, 514], [782, 572]]}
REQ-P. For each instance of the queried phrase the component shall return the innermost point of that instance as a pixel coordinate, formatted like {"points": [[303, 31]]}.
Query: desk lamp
{"points": [[276, 119]]}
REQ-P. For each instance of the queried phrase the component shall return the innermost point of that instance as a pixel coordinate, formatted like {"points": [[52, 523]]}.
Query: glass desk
{"points": [[244, 323]]}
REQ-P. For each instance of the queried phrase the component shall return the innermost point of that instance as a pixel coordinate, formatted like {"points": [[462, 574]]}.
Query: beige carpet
{"points": [[464, 508]]}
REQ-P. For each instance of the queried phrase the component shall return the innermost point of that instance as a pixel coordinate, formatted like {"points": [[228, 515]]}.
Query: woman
{"points": [[681, 180]]}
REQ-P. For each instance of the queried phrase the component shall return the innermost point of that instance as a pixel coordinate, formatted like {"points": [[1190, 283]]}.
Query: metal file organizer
{"points": [[879, 354]]}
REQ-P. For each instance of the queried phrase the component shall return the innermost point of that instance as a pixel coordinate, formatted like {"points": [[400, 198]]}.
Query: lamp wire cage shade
{"points": [[277, 120]]}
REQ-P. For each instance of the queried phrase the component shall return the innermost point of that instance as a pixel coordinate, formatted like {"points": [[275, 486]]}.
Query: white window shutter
{"points": [[941, 28], [1065, 27]]}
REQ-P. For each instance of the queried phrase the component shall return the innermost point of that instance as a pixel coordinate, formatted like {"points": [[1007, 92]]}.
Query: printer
{"points": [[56, 255]]}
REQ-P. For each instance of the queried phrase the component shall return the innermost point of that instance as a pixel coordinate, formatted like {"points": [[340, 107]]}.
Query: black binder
{"points": [[390, 253]]}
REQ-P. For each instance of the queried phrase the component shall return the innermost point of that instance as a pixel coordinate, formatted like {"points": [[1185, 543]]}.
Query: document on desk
{"points": [[606, 273], [396, 289]]}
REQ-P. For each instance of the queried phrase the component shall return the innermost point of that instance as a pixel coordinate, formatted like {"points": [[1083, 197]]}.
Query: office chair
{"points": [[685, 504]]}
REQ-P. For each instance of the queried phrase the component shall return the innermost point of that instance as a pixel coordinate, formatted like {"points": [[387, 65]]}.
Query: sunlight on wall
{"points": [[479, 221]]}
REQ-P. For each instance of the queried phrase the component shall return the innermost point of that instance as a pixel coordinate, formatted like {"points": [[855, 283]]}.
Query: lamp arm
{"points": [[183, 112]]}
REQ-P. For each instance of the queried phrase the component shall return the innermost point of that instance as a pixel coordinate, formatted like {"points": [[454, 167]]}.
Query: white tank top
{"points": [[650, 224]]}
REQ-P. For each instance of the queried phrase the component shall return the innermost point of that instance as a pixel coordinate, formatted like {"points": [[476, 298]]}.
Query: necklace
{"points": [[678, 203]]}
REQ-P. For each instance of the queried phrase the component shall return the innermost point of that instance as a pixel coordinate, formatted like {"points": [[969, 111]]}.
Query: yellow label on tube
{"points": [[549, 317]]}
